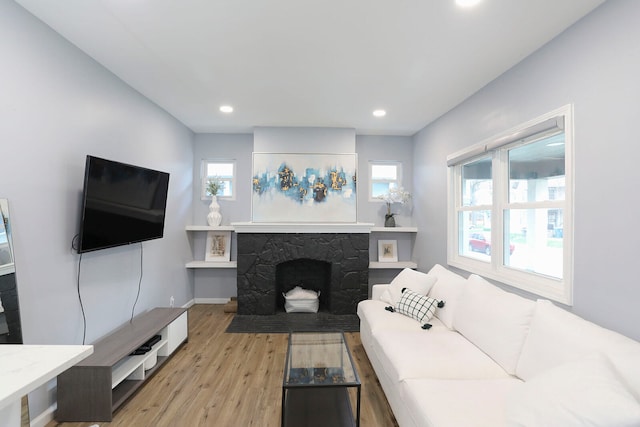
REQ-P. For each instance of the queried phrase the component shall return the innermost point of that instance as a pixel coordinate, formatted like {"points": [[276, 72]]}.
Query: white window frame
{"points": [[204, 178], [397, 181], [560, 290]]}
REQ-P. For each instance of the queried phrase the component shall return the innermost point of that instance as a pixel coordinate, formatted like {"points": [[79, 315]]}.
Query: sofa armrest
{"points": [[377, 290]]}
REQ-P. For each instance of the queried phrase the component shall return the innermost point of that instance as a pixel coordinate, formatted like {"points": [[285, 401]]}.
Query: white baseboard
{"points": [[41, 420], [212, 300]]}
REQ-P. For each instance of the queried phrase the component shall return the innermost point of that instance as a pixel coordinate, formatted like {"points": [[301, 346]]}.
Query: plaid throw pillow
{"points": [[416, 306]]}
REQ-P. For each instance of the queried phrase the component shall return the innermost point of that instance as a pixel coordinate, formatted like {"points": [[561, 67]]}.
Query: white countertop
{"points": [[24, 368]]}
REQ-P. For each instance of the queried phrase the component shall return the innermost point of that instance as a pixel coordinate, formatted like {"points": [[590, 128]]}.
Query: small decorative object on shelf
{"points": [[389, 220], [387, 251], [218, 246], [214, 218], [395, 195]]}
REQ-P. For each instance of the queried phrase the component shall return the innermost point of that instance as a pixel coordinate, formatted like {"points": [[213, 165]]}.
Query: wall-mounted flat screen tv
{"points": [[121, 204]]}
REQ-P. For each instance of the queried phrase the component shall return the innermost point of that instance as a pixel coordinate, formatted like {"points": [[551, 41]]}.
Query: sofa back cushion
{"points": [[417, 281], [584, 392], [447, 288], [557, 336], [494, 320]]}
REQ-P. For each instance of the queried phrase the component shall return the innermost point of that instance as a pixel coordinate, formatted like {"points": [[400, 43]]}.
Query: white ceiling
{"points": [[319, 63]]}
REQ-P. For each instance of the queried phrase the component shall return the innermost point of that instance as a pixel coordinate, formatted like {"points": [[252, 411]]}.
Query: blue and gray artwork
{"points": [[304, 188], [312, 185]]}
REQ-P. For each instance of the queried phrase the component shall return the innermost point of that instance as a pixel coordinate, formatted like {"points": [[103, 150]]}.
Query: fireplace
{"points": [[336, 264]]}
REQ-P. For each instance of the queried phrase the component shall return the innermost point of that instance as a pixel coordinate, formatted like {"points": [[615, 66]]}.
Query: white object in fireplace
{"points": [[299, 300]]}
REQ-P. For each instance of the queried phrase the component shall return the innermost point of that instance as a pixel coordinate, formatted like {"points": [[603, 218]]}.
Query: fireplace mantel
{"points": [[297, 227]]}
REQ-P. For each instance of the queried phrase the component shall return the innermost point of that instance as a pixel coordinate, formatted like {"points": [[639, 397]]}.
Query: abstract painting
{"points": [[292, 187]]}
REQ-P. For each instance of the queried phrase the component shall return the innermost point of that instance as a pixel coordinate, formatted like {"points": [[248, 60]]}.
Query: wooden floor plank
{"points": [[218, 379]]}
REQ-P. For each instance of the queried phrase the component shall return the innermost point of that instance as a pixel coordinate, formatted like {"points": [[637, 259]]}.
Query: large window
{"points": [[510, 207], [224, 171], [384, 176]]}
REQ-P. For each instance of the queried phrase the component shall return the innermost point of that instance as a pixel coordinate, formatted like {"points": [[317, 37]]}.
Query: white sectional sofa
{"points": [[492, 358]]}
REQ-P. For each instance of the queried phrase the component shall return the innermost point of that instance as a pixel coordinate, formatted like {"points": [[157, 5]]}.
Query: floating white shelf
{"points": [[245, 227], [374, 265], [211, 264], [209, 228], [394, 229]]}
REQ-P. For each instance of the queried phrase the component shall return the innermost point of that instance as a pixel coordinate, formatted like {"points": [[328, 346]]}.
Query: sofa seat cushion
{"points": [[495, 320], [452, 403], [434, 353], [557, 336], [584, 392], [379, 319]]}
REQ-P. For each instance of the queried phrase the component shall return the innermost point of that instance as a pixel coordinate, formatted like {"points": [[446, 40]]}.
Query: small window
{"points": [[384, 177], [224, 171]]}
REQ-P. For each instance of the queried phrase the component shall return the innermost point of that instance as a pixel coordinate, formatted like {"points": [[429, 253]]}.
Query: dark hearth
{"points": [[260, 254], [293, 322]]}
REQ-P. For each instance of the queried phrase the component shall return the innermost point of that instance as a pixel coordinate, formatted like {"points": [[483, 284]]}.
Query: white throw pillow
{"points": [[447, 288], [386, 297], [494, 320], [415, 280], [557, 336], [585, 392]]}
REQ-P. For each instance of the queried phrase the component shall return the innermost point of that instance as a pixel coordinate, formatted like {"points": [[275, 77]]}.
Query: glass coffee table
{"points": [[318, 374]]}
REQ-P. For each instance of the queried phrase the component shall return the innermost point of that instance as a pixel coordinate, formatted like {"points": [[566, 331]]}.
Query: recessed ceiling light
{"points": [[226, 109], [379, 113], [467, 3]]}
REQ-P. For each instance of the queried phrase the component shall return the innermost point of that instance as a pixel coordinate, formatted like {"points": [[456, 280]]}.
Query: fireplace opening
{"points": [[308, 274]]}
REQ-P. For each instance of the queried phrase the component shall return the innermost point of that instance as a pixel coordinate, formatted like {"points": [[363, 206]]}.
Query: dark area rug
{"points": [[294, 322]]}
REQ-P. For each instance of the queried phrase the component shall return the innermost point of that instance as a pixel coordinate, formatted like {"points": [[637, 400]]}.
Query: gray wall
{"points": [[304, 140], [58, 105], [385, 148], [594, 65], [236, 147], [218, 285]]}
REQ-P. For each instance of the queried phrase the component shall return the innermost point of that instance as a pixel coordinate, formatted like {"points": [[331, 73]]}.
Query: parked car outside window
{"points": [[480, 242]]}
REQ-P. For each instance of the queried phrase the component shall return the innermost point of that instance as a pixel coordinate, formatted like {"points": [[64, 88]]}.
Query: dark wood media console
{"points": [[94, 388]]}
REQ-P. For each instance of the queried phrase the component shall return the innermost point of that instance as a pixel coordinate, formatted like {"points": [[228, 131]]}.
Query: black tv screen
{"points": [[121, 204]]}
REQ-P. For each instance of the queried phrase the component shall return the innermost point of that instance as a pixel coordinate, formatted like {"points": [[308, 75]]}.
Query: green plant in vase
{"points": [[214, 185]]}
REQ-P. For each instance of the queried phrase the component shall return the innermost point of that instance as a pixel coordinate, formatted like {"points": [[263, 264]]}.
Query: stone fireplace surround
{"points": [[263, 247]]}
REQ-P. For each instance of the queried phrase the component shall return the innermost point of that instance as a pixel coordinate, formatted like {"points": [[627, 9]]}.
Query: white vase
{"points": [[215, 217]]}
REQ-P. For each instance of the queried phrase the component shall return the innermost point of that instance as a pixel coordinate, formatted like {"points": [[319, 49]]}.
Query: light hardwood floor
{"points": [[218, 379]]}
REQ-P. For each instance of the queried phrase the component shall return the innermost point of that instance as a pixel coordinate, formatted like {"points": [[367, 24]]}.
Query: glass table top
{"points": [[317, 359]]}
